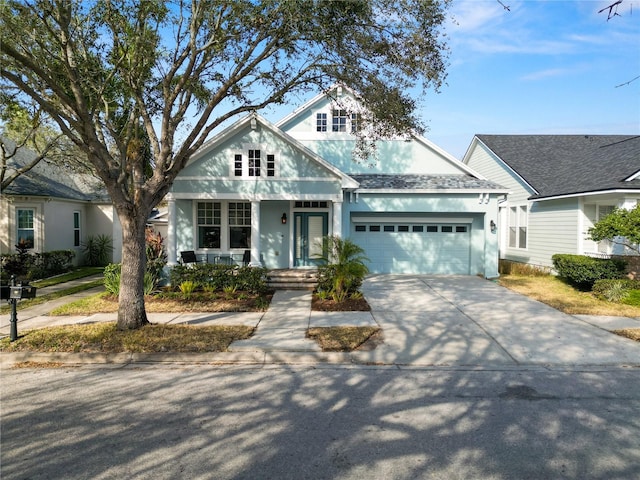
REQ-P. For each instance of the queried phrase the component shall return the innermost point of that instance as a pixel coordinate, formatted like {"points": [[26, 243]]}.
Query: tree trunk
{"points": [[131, 310]]}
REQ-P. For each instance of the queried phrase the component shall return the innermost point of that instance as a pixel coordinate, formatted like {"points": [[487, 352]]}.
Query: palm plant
{"points": [[345, 269]]}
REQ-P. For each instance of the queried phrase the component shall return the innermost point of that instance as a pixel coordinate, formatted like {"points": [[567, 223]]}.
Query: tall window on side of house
{"points": [[237, 165], [254, 163], [209, 220], [239, 225], [339, 121], [321, 122], [518, 220], [605, 246], [26, 233], [356, 122], [271, 165], [76, 229]]}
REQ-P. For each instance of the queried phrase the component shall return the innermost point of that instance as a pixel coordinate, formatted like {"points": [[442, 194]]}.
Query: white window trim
{"points": [[37, 227], [225, 226], [264, 152], [518, 208], [78, 229]]}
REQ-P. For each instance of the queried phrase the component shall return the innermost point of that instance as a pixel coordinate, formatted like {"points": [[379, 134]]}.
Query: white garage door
{"points": [[398, 247]]}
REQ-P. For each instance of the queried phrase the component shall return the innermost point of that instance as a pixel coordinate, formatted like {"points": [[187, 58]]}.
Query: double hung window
{"points": [[209, 222], [239, 224], [518, 219], [25, 227]]}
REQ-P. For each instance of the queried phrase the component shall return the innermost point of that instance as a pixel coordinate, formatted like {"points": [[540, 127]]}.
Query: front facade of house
{"points": [[275, 191], [559, 187], [50, 208]]}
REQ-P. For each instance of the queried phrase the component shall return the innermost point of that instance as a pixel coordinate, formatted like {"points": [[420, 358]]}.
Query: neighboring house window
{"points": [[239, 224], [254, 163], [76, 229], [356, 121], [605, 246], [209, 221], [518, 227], [321, 122], [26, 230], [339, 121]]}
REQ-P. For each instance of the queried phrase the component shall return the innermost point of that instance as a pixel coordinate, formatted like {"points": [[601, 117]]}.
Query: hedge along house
{"points": [[274, 192]]}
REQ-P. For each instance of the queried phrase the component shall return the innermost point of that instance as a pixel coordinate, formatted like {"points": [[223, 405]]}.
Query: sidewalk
{"points": [[443, 321]]}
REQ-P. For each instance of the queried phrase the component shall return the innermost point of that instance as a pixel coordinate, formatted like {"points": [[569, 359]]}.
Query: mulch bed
{"points": [[349, 305]]}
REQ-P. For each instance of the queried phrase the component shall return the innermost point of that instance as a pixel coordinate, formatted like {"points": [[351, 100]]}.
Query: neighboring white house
{"points": [[559, 186], [52, 208], [274, 191]]}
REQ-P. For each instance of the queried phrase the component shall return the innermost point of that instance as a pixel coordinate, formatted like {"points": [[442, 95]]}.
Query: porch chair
{"points": [[246, 258], [189, 256]]}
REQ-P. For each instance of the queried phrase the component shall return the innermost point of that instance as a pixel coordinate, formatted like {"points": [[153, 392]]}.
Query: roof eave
{"points": [[584, 194]]}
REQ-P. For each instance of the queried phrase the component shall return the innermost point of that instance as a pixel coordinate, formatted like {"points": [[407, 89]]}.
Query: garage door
{"points": [[398, 247]]}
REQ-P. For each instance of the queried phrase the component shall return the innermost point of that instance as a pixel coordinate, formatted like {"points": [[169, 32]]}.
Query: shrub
{"points": [[34, 266], [615, 290], [112, 278], [187, 288], [97, 250], [215, 278], [344, 274], [582, 271], [156, 256]]}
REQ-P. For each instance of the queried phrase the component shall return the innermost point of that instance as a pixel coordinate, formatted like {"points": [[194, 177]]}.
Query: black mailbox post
{"points": [[16, 293]]}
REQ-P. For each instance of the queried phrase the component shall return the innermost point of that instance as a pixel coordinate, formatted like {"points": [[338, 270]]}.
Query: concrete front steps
{"points": [[293, 279]]}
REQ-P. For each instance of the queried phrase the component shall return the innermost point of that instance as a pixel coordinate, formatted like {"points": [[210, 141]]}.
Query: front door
{"points": [[311, 230]]}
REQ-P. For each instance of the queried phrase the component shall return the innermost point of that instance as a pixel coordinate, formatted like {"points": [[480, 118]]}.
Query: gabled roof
{"points": [[422, 183], [562, 165], [50, 180], [347, 182]]}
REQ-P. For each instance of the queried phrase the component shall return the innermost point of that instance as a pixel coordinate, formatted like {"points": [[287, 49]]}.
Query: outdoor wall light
{"points": [[493, 226], [283, 219]]}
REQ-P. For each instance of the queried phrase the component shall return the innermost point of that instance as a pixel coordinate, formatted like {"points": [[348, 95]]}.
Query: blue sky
{"points": [[542, 67]]}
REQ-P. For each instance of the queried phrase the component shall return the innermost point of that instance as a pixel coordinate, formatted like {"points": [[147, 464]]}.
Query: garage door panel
{"points": [[417, 252]]}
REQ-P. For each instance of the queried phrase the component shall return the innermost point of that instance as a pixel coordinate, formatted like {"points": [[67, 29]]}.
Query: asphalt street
{"points": [[207, 421]]}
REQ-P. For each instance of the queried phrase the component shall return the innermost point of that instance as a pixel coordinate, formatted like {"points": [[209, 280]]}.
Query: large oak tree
{"points": [[120, 76]]}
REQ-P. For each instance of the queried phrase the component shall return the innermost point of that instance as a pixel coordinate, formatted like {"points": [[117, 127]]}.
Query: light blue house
{"points": [[273, 191]]}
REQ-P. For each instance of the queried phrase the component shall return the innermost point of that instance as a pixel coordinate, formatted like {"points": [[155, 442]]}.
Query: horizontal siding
{"points": [[553, 228], [486, 163]]}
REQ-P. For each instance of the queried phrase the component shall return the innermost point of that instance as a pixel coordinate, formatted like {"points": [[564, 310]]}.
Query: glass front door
{"points": [[311, 230]]}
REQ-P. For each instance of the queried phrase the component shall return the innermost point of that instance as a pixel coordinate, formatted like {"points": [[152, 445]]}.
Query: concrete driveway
{"points": [[465, 320]]}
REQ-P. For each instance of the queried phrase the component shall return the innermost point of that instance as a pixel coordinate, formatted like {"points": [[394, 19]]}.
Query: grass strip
{"points": [[341, 339], [67, 277], [106, 338], [561, 296], [52, 296]]}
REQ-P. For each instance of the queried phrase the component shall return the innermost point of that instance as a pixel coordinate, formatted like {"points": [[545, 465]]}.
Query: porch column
{"points": [[255, 233], [171, 233], [337, 219]]}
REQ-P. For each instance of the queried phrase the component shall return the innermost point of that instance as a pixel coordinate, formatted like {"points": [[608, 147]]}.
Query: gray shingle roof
{"points": [[49, 180], [569, 164], [422, 182]]}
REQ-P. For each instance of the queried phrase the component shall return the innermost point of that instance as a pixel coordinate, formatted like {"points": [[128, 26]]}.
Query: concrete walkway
{"points": [[426, 321]]}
